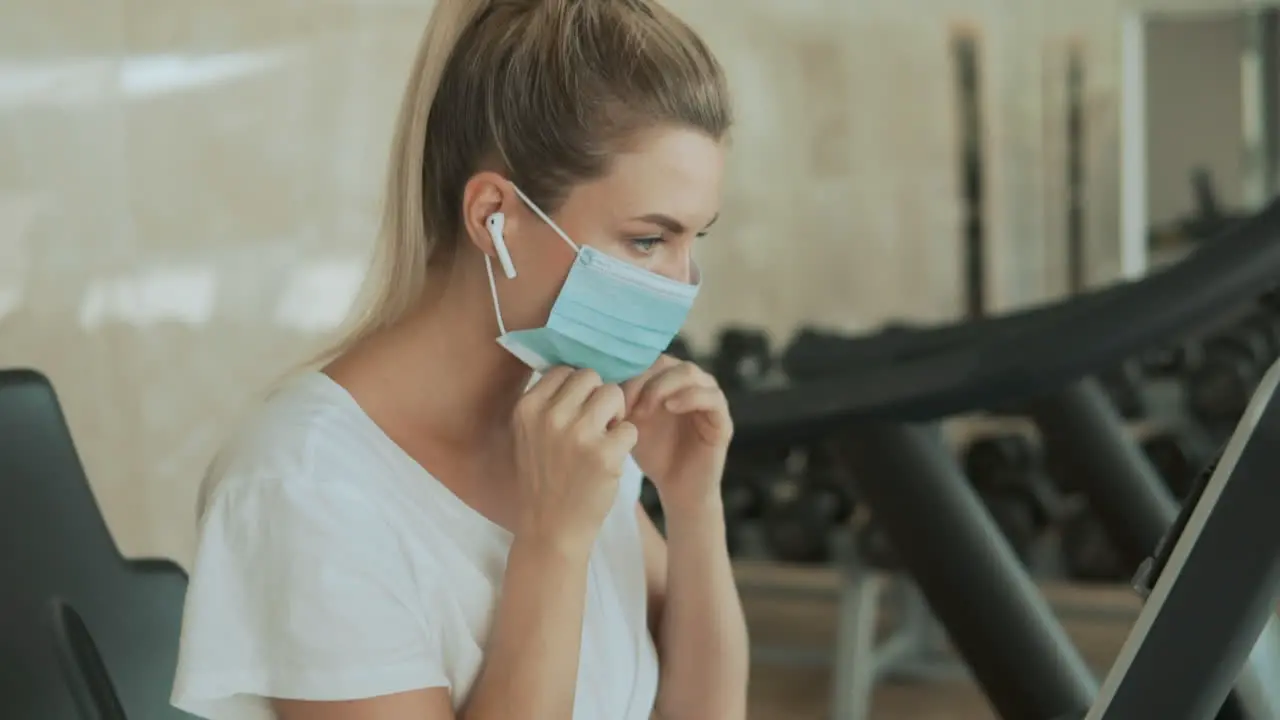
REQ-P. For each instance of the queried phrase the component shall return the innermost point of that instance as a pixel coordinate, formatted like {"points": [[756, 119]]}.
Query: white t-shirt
{"points": [[332, 566]]}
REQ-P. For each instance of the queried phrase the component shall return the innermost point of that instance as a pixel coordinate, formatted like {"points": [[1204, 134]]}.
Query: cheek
{"points": [[535, 290], [620, 250], [674, 261]]}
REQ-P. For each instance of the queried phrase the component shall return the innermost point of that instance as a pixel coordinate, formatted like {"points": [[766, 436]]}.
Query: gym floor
{"points": [[1098, 620]]}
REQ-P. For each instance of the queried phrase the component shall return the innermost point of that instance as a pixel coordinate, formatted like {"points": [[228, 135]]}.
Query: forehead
{"points": [[672, 171]]}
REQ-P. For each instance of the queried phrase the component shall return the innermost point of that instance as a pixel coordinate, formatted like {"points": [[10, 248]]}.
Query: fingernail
{"points": [[671, 405]]}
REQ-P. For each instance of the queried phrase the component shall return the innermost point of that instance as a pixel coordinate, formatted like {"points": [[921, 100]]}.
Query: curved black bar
{"points": [[1010, 358], [920, 342]]}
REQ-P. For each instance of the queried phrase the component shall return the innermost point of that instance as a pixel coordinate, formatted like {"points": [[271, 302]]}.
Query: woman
{"points": [[427, 529]]}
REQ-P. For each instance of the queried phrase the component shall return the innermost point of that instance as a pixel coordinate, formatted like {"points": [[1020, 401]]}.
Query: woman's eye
{"points": [[646, 245]]}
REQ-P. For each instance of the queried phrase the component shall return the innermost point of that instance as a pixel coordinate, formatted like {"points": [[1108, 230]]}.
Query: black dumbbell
{"points": [[798, 522], [680, 350], [814, 352], [1006, 472], [1232, 363], [999, 462], [1269, 320], [745, 490], [1172, 361], [1178, 458], [752, 478], [742, 358], [1125, 386], [1088, 555]]}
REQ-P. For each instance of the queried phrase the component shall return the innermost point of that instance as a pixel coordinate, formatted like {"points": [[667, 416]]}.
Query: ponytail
{"points": [[397, 276]]}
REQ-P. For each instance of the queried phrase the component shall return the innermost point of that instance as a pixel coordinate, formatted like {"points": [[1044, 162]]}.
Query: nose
{"points": [[680, 267]]}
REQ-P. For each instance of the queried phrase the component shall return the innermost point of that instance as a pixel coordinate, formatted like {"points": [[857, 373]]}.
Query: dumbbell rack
{"points": [[885, 630], [914, 650], [917, 647]]}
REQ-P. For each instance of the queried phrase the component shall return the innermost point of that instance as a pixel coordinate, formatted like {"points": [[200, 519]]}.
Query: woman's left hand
{"points": [[684, 429]]}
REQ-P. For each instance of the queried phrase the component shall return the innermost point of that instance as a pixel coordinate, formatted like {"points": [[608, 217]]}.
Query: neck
{"points": [[439, 372]]}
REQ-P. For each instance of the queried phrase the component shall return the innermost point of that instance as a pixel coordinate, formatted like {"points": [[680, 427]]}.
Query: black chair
{"points": [[84, 633]]}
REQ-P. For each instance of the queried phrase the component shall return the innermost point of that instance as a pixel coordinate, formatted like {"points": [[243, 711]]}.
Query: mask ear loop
{"points": [[543, 216], [488, 264], [493, 290]]}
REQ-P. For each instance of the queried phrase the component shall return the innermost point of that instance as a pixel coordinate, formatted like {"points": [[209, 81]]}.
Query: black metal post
{"points": [[1076, 254], [972, 173], [995, 615], [1080, 426]]}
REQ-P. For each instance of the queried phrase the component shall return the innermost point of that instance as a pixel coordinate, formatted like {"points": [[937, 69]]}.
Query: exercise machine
{"points": [[1208, 623], [1207, 626]]}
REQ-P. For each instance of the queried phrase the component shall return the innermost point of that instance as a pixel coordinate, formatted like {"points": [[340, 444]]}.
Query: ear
{"points": [[487, 193]]}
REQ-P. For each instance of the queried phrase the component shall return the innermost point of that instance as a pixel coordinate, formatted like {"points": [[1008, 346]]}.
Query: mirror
{"points": [[1198, 127]]}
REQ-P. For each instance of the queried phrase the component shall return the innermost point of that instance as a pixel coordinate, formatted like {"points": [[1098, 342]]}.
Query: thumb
{"points": [[622, 437]]}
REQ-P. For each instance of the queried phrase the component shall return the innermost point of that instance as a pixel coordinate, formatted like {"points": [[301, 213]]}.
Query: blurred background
{"points": [[189, 191]]}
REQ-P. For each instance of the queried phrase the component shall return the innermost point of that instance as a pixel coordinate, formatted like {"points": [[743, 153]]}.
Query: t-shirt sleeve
{"points": [[300, 589]]}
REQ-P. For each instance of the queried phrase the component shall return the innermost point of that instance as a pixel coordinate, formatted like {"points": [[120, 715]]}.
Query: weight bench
{"points": [[84, 633]]}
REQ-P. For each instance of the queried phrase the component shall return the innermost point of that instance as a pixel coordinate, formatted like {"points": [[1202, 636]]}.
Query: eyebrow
{"points": [[670, 224]]}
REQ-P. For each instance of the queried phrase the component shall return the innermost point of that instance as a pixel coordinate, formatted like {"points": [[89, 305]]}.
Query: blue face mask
{"points": [[610, 316]]}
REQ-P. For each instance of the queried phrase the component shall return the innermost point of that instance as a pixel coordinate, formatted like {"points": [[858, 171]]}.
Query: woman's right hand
{"points": [[571, 442]]}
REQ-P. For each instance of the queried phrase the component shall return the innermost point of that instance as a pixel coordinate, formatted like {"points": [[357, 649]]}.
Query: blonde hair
{"points": [[550, 89]]}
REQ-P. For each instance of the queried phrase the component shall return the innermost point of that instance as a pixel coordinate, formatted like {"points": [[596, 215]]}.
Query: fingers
{"points": [[567, 396], [667, 382], [579, 399], [558, 397], [604, 407], [565, 406], [708, 407], [632, 388], [547, 386], [620, 440], [695, 398]]}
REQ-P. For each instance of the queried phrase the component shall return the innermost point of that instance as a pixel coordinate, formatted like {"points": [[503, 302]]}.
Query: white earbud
{"points": [[494, 223]]}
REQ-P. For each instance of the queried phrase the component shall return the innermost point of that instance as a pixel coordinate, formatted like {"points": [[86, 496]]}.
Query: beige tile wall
{"points": [[188, 190]]}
